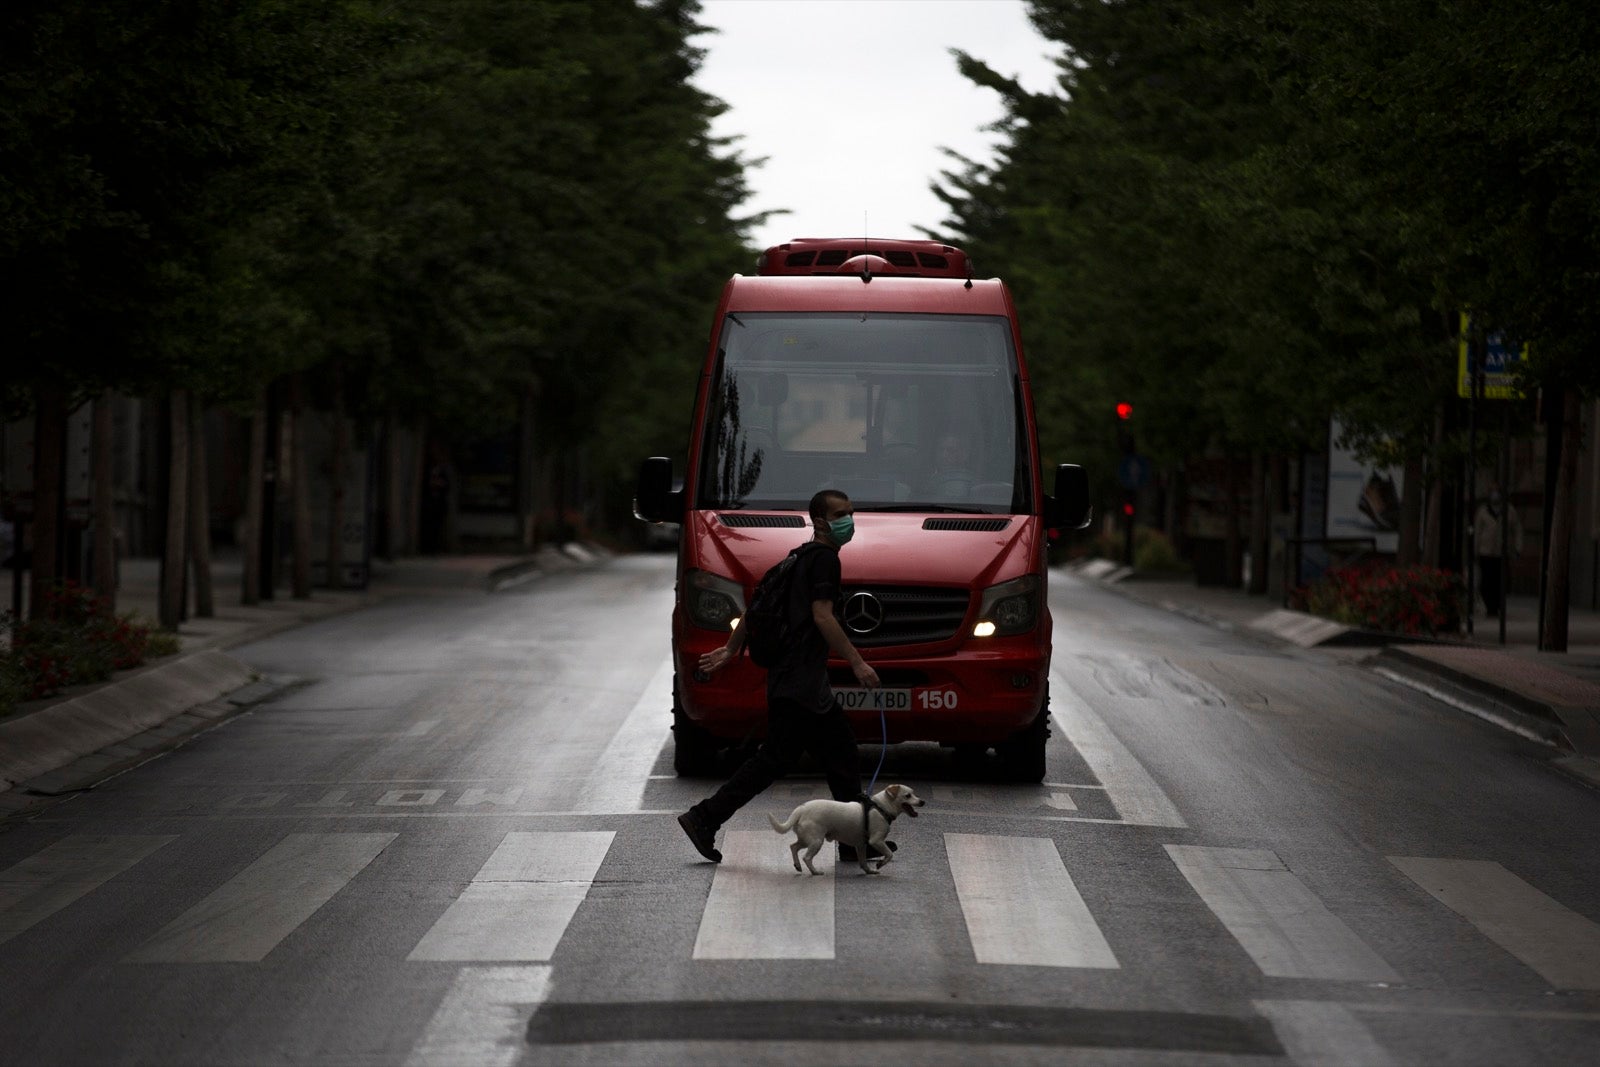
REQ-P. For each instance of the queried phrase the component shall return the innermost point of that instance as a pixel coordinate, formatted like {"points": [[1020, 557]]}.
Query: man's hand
{"points": [[715, 660], [865, 674]]}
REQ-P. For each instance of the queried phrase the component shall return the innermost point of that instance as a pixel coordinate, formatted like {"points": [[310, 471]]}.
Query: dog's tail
{"points": [[785, 826]]}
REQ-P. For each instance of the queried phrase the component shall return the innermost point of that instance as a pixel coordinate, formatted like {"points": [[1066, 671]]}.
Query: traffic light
{"points": [[1124, 412]]}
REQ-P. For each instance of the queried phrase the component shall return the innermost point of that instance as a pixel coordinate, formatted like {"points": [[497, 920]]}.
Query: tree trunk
{"points": [[199, 512], [1432, 535], [421, 461], [1233, 537], [300, 571], [49, 456], [1406, 551], [1260, 524], [105, 510], [1558, 573], [335, 556], [171, 606], [254, 489]]}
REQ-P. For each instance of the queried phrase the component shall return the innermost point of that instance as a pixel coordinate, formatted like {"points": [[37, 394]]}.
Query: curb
{"points": [[1496, 704], [35, 743], [550, 559], [86, 734]]}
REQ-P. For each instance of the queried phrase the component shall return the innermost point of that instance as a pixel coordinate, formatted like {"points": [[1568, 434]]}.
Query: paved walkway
{"points": [[52, 746], [1554, 696]]}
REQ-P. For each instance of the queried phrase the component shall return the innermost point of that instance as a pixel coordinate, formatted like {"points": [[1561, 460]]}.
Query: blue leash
{"points": [[883, 723]]}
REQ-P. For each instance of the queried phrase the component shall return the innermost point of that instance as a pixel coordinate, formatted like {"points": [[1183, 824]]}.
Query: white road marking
{"points": [[1318, 1032], [616, 783], [1021, 905], [421, 728], [518, 905], [1558, 943], [1135, 795], [1284, 927], [50, 879], [1061, 802], [483, 1019], [410, 798], [245, 917], [760, 909]]}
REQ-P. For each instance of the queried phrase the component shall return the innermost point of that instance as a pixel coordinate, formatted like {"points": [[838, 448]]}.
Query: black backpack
{"points": [[769, 623]]}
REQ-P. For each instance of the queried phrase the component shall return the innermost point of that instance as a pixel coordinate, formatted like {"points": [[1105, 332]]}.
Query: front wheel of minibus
{"points": [[1022, 755], [694, 750]]}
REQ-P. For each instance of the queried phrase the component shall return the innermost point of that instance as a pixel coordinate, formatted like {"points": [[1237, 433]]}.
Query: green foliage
{"points": [[1246, 217], [1152, 550], [452, 207], [77, 641], [1402, 600]]}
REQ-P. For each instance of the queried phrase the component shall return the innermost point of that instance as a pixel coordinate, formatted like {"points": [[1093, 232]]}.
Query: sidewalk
{"points": [[83, 734], [1552, 697]]}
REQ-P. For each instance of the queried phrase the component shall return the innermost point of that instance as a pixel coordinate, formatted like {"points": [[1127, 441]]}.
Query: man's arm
{"points": [[833, 633], [719, 658]]}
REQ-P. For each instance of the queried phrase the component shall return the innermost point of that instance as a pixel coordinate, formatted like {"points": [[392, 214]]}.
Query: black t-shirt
{"points": [[801, 673]]}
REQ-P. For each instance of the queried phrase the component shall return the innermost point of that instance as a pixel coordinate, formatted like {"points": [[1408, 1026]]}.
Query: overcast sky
{"points": [[850, 101]]}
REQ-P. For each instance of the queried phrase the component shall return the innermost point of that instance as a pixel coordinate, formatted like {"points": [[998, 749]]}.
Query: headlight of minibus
{"points": [[713, 602], [1009, 608]]}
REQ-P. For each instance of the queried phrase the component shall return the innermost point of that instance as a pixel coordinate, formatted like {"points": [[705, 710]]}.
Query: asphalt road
{"points": [[451, 841]]}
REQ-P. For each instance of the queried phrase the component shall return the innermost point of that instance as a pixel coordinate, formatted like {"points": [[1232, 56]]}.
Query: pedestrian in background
{"points": [[803, 714], [1492, 567]]}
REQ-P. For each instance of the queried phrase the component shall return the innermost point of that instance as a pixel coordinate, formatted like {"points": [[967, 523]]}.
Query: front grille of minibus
{"points": [[912, 615]]}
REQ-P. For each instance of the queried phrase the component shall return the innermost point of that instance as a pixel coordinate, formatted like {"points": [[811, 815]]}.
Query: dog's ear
{"points": [[894, 792]]}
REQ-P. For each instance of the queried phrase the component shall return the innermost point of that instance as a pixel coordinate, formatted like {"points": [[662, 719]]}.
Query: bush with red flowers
{"points": [[1380, 596], [77, 640]]}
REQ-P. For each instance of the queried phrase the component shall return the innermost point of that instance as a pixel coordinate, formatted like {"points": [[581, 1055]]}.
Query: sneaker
{"points": [[847, 853], [702, 837]]}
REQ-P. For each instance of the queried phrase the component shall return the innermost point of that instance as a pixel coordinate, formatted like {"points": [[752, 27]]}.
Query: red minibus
{"points": [[882, 369]]}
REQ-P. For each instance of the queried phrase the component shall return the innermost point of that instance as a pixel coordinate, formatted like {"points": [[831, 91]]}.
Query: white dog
{"points": [[817, 821]]}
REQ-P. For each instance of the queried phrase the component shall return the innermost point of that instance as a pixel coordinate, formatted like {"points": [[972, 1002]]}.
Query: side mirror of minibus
{"points": [[1069, 508], [654, 499]]}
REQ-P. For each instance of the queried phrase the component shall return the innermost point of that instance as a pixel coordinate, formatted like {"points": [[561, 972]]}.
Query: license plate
{"points": [[874, 699]]}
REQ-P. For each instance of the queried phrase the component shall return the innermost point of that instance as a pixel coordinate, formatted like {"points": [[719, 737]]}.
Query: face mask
{"points": [[842, 529]]}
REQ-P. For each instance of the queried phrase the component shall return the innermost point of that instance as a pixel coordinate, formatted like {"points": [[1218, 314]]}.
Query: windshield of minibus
{"points": [[900, 412]]}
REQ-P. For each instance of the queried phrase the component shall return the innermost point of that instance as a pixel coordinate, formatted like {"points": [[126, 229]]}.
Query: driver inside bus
{"points": [[954, 471]]}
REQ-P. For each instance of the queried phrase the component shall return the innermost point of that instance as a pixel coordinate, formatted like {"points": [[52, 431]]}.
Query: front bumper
{"points": [[981, 692]]}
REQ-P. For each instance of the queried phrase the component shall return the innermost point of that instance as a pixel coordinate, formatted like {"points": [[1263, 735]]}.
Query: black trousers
{"points": [[792, 729], [1492, 570]]}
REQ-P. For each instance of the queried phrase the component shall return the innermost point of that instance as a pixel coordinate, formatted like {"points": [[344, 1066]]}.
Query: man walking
{"points": [[1486, 536], [803, 715]]}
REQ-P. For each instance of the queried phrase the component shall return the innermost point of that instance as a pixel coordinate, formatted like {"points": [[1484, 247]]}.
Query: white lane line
{"points": [[421, 728], [519, 904], [1558, 943], [1284, 927], [50, 879], [1061, 802], [616, 782], [245, 917], [1021, 905], [1318, 1032], [1135, 795], [760, 909], [483, 1019]]}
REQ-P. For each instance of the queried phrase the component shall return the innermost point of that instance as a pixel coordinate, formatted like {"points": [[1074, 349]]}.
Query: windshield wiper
{"points": [[925, 507]]}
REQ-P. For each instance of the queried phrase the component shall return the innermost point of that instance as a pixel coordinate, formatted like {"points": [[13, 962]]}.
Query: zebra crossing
{"points": [[1018, 900]]}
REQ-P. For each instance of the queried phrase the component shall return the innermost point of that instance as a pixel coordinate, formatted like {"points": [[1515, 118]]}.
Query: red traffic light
{"points": [[1127, 509], [1124, 410]]}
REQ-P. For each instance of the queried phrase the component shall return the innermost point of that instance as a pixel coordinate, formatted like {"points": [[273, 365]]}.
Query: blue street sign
{"points": [[1133, 472]]}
